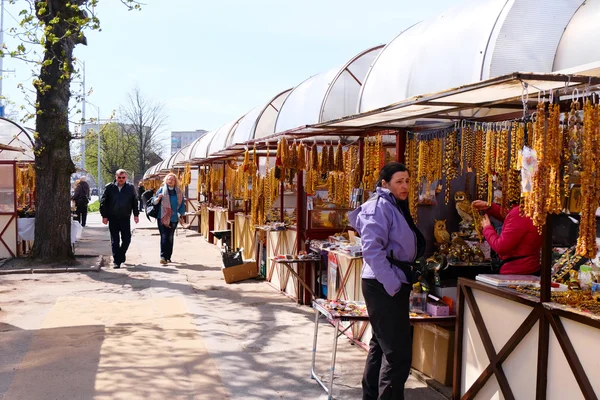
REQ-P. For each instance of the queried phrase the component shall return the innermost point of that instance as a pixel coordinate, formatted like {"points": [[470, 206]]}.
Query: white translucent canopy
{"points": [[219, 140], [180, 159], [161, 168], [16, 136], [199, 148], [328, 95], [473, 41], [170, 164], [150, 171], [342, 95], [259, 122], [580, 43]]}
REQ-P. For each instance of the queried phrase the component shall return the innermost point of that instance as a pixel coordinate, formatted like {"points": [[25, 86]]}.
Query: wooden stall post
{"points": [[281, 189], [300, 206], [361, 154], [400, 146], [223, 188]]}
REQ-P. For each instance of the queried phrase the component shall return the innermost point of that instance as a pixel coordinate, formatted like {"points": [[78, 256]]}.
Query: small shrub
{"points": [[93, 207]]}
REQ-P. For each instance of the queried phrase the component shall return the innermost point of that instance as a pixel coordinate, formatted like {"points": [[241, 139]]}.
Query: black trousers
{"points": [[120, 238], [167, 237], [82, 213], [390, 351]]}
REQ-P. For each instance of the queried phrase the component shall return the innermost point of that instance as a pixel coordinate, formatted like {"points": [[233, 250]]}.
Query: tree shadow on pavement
{"points": [[50, 363]]}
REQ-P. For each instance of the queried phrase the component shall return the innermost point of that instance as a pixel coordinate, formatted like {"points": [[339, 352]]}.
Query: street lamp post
{"points": [[99, 177]]}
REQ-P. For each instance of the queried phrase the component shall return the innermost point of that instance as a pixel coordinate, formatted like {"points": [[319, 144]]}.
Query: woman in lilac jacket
{"points": [[387, 231]]}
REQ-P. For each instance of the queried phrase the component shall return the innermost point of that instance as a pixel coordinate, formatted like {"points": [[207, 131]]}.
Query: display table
{"points": [[511, 344], [336, 318], [26, 229], [301, 275]]}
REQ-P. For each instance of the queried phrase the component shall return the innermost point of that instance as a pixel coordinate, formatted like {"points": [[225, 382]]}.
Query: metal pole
{"points": [[1, 44], [98, 157], [83, 119]]}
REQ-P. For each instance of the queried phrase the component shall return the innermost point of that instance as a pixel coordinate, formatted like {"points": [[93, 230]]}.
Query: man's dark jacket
{"points": [[117, 204]]}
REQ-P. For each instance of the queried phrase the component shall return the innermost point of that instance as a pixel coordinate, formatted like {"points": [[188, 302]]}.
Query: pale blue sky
{"points": [[210, 62]]}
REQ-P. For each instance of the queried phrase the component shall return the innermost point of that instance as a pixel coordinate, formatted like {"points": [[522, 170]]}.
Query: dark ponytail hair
{"points": [[389, 170]]}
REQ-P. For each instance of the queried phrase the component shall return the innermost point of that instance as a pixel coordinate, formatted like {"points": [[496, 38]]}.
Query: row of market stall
{"points": [[443, 98], [17, 183]]}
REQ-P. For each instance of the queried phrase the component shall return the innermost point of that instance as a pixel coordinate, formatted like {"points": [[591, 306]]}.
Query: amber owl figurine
{"points": [[464, 208], [440, 232]]}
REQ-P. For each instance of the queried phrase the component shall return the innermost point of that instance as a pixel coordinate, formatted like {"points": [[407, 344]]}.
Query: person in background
{"points": [[141, 191], [118, 201], [518, 245], [81, 197], [391, 242], [172, 207]]}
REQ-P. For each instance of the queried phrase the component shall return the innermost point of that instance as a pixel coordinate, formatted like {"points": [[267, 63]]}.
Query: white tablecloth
{"points": [[26, 229]]}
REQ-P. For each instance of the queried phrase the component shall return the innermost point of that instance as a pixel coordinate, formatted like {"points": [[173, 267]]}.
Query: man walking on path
{"points": [[118, 202]]}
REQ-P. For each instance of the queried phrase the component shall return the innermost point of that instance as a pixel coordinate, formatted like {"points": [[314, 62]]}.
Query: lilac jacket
{"points": [[383, 229]]}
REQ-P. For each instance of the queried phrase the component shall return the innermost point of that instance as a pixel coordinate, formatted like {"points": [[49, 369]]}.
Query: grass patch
{"points": [[93, 207]]}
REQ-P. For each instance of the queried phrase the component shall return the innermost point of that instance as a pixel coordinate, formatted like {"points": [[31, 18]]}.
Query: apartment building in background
{"points": [[180, 139]]}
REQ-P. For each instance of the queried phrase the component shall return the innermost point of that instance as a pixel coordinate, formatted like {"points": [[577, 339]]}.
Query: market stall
{"points": [[520, 340], [17, 187]]}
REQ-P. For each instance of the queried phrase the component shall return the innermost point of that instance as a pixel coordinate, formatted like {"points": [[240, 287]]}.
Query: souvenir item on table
{"points": [[464, 209], [440, 232], [344, 308]]}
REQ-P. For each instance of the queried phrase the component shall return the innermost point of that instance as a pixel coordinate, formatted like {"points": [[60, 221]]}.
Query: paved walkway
{"points": [[162, 332]]}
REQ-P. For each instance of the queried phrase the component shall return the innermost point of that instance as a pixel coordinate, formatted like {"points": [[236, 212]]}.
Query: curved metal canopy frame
{"points": [[328, 95], [15, 135], [474, 41]]}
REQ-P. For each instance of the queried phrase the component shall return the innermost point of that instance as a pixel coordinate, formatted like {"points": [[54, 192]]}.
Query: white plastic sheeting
{"points": [[474, 41], [259, 122], [580, 43], [303, 105], [219, 140], [328, 95], [342, 95], [14, 135], [199, 150]]}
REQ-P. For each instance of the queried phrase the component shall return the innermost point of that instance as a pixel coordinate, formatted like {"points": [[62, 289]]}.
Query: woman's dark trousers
{"points": [[167, 237], [82, 213], [390, 351]]}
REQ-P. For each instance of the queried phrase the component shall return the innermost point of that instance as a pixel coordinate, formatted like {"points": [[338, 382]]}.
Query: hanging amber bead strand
{"points": [[590, 181]]}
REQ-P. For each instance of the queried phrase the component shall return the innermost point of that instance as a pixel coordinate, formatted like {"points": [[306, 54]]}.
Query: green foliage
{"points": [[94, 207], [50, 24], [117, 150]]}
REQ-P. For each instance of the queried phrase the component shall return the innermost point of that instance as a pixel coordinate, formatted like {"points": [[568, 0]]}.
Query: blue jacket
{"points": [[178, 209], [383, 230]]}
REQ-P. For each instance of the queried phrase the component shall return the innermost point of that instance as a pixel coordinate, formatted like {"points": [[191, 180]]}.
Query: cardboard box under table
{"points": [[240, 272], [433, 351]]}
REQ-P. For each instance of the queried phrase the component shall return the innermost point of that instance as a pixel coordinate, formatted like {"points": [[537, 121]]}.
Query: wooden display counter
{"points": [[243, 235], [219, 219], [511, 345], [203, 225], [280, 242]]}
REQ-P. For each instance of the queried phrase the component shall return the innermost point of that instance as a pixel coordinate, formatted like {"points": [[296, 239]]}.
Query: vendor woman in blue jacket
{"points": [[391, 242], [168, 214]]}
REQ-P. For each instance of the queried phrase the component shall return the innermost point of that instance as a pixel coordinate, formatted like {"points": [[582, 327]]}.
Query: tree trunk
{"points": [[52, 155]]}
